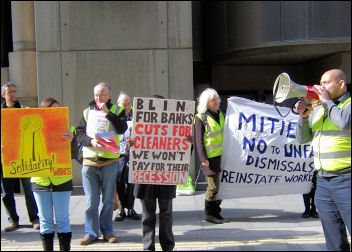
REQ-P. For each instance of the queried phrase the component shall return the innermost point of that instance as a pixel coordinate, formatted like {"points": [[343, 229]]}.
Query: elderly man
{"points": [[99, 169], [125, 189], [329, 128]]}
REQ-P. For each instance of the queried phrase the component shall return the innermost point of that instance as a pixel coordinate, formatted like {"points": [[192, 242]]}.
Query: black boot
{"points": [[47, 241], [306, 200], [64, 241], [209, 212], [217, 210]]}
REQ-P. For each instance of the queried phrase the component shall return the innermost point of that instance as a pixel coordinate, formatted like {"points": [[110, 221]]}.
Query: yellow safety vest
{"points": [[106, 153], [213, 135], [331, 145], [57, 180]]}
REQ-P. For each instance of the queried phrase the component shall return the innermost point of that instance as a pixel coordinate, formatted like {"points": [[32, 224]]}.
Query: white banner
{"points": [[161, 152], [261, 155]]}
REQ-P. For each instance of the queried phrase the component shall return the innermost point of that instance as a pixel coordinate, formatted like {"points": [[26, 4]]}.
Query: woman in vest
{"points": [[209, 125], [53, 193]]}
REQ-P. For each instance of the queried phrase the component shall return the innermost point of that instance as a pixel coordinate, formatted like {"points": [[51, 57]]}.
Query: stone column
{"points": [[22, 61]]}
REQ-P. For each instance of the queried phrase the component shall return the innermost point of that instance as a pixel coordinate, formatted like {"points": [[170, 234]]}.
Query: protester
{"points": [[308, 198], [9, 93], [329, 129], [125, 189], [149, 194], [99, 165], [53, 194], [209, 125]]}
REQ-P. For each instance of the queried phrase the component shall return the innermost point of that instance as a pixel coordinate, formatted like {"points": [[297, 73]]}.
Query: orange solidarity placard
{"points": [[31, 141]]}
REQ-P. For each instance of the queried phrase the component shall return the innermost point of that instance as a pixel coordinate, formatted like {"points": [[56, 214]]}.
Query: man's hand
{"points": [[103, 107], [205, 164], [96, 143], [304, 109], [130, 142], [322, 93]]}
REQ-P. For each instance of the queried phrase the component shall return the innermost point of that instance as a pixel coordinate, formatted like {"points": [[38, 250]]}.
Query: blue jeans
{"points": [[333, 201], [95, 180], [8, 197], [53, 201]]}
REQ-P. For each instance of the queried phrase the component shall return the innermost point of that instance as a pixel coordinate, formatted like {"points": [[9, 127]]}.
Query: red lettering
{"points": [[136, 142], [155, 145], [136, 129], [164, 130], [169, 143], [176, 143], [149, 141], [188, 131], [185, 144]]}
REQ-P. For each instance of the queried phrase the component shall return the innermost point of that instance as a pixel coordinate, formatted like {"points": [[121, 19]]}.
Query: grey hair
{"points": [[121, 95], [204, 97], [105, 85], [5, 85]]}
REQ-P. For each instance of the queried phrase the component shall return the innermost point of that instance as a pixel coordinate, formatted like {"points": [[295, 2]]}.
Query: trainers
{"points": [[120, 215], [133, 215], [110, 238], [36, 225], [87, 241], [11, 226]]}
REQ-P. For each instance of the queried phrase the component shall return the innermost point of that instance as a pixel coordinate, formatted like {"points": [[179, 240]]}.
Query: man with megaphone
{"points": [[329, 128]]}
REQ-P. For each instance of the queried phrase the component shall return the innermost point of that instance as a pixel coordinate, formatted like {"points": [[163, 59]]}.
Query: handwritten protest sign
{"points": [[261, 155], [96, 124], [161, 153], [32, 142]]}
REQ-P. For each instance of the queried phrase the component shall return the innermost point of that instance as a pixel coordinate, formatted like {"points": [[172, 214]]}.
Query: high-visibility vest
{"points": [[331, 145], [57, 180], [213, 135], [106, 153], [46, 181]]}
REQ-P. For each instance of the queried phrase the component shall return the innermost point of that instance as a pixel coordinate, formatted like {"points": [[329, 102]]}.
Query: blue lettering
{"points": [[252, 117]]}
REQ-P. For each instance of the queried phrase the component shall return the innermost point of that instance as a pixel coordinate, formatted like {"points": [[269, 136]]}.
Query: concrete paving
{"points": [[257, 223]]}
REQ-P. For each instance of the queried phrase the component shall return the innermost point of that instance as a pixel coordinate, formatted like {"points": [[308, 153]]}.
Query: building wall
{"points": [[142, 48]]}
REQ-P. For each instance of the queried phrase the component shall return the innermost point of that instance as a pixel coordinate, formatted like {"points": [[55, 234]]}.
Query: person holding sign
{"points": [[99, 169], [53, 194], [209, 125], [149, 194], [125, 189], [9, 93], [329, 128]]}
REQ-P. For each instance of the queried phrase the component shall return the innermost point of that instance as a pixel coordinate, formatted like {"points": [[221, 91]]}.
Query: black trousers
{"points": [[123, 188], [166, 236]]}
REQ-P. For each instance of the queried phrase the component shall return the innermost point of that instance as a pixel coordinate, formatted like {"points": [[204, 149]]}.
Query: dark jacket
{"points": [[149, 192], [118, 123], [215, 162]]}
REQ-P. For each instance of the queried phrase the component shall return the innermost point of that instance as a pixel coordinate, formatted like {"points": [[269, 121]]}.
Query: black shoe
{"points": [[212, 219], [133, 215], [218, 216], [314, 214], [306, 214], [120, 215]]}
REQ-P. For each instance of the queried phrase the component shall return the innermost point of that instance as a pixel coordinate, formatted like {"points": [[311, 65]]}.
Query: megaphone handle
{"points": [[307, 102]]}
